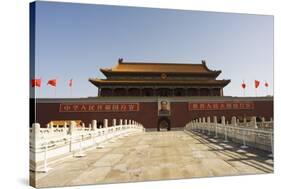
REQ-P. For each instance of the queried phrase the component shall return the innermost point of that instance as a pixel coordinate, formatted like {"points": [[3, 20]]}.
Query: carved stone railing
{"points": [[48, 144], [246, 133]]}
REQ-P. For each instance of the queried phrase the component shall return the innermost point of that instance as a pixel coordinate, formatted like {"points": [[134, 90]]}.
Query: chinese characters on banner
{"points": [[193, 106], [99, 107]]}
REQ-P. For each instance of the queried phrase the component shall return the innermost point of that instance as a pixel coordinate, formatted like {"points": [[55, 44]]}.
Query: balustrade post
{"points": [[254, 122], [92, 135], [225, 132], [94, 124], [200, 124], [209, 125], [65, 128], [80, 152], [204, 124], [36, 131], [263, 122], [244, 146], [105, 123], [245, 120], [120, 128], [216, 126], [51, 127], [72, 129], [112, 130], [46, 168], [233, 121], [223, 120], [114, 122]]}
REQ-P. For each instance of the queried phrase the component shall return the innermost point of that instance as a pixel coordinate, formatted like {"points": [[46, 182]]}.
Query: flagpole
{"points": [[71, 84], [266, 87], [39, 92], [56, 87]]}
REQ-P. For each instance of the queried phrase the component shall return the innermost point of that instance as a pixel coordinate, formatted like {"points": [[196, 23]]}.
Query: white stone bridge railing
{"points": [[253, 134], [47, 144]]}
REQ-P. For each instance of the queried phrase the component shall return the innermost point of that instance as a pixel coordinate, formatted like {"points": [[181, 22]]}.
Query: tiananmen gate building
{"points": [[156, 79], [157, 95]]}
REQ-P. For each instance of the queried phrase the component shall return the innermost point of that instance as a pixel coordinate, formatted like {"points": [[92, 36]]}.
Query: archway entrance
{"points": [[164, 123]]}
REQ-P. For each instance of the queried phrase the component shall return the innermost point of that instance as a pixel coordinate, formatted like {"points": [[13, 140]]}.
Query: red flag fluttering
{"points": [[52, 82], [257, 83], [36, 82], [70, 83], [243, 85]]}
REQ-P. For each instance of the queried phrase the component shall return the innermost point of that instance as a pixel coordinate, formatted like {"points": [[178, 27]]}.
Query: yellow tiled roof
{"points": [[159, 67]]}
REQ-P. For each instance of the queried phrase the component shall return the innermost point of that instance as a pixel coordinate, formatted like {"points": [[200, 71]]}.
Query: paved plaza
{"points": [[156, 156]]}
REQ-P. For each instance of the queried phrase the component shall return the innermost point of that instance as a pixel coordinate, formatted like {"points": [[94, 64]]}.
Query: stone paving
{"points": [[156, 156]]}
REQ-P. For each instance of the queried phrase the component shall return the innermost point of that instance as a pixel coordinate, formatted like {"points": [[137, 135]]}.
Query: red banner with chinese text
{"points": [[193, 106], [99, 107]]}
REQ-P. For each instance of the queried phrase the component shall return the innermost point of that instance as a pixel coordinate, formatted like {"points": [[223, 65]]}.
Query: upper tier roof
{"points": [[147, 67]]}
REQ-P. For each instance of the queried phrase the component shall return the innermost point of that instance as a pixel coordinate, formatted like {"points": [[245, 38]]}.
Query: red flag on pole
{"points": [[243, 85], [70, 83], [52, 82], [36, 82], [257, 83]]}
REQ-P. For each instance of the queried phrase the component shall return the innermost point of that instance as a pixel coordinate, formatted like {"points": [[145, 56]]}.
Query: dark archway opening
{"points": [[99, 124], [164, 123]]}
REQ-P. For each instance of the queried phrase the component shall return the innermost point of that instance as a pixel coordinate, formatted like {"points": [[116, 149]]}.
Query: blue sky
{"points": [[75, 40]]}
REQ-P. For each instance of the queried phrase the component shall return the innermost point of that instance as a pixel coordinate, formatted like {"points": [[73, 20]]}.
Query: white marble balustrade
{"points": [[49, 143], [250, 134]]}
